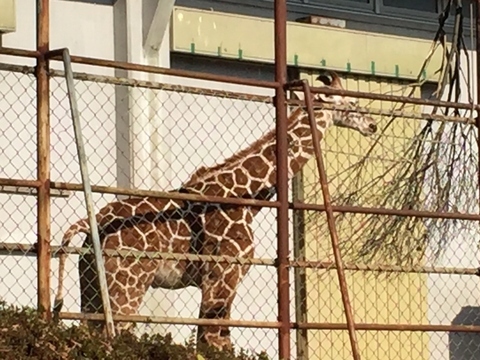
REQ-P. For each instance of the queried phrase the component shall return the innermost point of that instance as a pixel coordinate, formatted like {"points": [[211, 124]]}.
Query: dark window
{"points": [[416, 5], [465, 346], [337, 3], [327, 1], [98, 2], [465, 8], [427, 90]]}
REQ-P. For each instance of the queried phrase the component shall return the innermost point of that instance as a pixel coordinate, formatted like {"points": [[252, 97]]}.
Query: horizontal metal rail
{"points": [[386, 211], [172, 320], [394, 98], [19, 52], [273, 324], [165, 86], [245, 96], [56, 55], [440, 270], [167, 195], [32, 184], [29, 191], [24, 69], [248, 97], [270, 204], [389, 327], [393, 113], [19, 249], [27, 187], [247, 202]]}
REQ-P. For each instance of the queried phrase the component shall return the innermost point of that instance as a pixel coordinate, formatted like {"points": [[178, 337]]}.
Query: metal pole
{"points": [[43, 161], [280, 28], [300, 275], [477, 85], [331, 223], [102, 279]]}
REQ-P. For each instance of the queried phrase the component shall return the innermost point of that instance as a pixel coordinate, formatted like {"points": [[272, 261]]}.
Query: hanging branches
{"points": [[436, 170]]}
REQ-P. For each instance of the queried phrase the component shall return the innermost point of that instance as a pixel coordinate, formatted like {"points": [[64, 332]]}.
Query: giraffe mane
{"points": [[204, 172]]}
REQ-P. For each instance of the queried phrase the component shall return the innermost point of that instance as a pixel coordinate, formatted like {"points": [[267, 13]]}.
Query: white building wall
{"points": [[73, 25]]}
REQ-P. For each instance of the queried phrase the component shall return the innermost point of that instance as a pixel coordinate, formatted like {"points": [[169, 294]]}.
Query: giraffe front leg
{"points": [[218, 293]]}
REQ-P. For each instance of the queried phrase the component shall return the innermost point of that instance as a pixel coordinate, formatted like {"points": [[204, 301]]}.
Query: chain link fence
{"points": [[17, 154], [404, 273]]}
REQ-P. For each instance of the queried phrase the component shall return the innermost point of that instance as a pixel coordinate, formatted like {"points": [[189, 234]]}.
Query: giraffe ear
{"points": [[297, 95], [324, 79], [330, 78]]}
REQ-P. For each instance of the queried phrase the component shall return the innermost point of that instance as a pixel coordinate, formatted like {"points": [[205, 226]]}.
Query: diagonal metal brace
{"points": [[331, 221], [87, 190]]}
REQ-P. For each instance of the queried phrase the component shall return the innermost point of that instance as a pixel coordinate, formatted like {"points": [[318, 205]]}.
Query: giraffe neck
{"points": [[252, 169]]}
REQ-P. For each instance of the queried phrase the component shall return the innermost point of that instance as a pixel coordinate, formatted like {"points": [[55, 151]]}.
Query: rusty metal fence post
{"points": [[43, 160], [477, 78], [280, 33]]}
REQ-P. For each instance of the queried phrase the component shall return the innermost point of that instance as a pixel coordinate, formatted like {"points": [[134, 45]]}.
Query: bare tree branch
{"points": [[435, 170]]}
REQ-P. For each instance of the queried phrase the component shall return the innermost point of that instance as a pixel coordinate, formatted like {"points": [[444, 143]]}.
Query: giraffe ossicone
{"points": [[185, 227]]}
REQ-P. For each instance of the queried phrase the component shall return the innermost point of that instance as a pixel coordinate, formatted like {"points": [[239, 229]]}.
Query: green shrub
{"points": [[24, 335]]}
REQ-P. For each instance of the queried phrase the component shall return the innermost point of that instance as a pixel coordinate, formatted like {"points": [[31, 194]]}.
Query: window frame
{"points": [[338, 4], [411, 13], [373, 7], [465, 12], [95, 2]]}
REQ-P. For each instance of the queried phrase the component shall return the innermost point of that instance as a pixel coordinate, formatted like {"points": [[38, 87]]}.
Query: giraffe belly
{"points": [[171, 274]]}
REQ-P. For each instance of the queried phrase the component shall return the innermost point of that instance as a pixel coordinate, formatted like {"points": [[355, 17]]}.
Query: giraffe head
{"points": [[348, 116]]}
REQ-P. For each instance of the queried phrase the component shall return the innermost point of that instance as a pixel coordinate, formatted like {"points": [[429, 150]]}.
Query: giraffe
{"points": [[183, 227]]}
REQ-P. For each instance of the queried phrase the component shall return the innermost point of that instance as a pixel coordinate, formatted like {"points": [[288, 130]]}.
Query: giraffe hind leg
{"points": [[216, 336], [91, 301]]}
